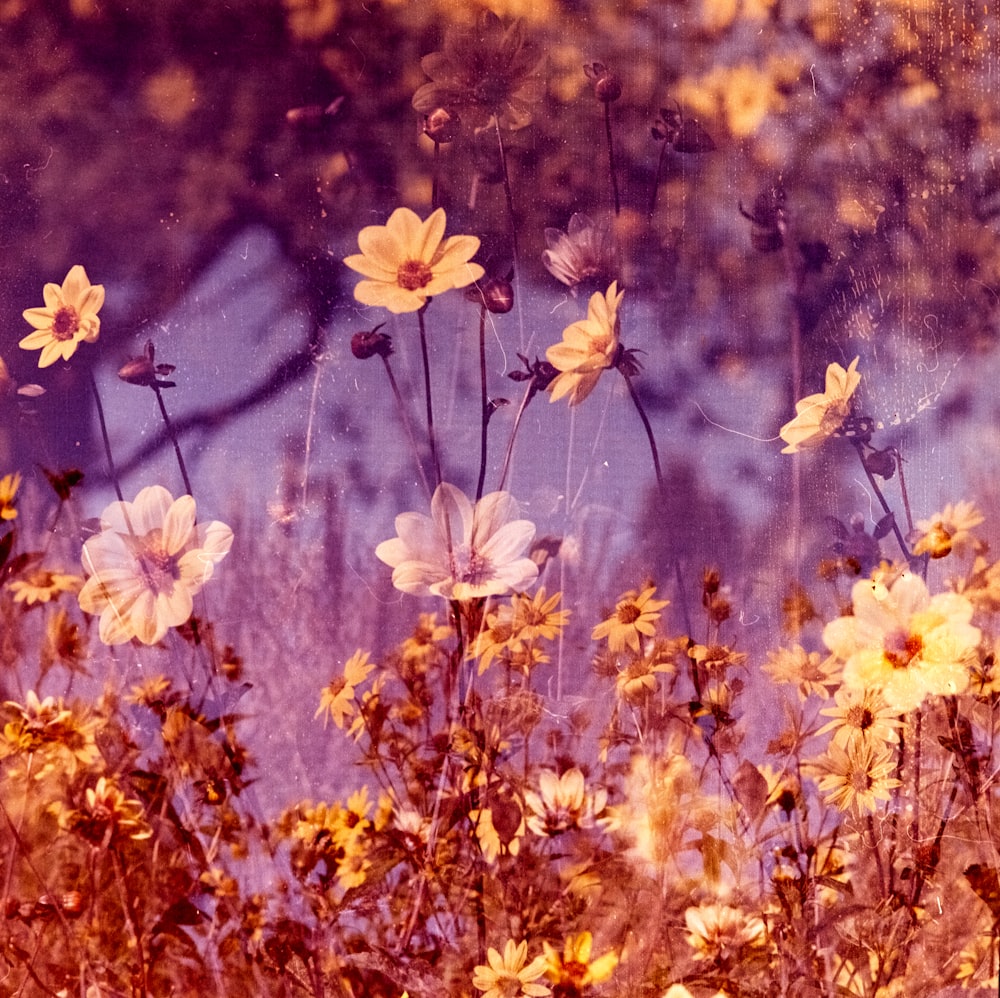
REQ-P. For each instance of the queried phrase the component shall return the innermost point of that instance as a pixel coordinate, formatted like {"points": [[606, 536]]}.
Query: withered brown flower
{"points": [[485, 70]]}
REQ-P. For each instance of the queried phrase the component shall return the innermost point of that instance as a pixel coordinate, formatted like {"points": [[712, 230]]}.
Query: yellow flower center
{"points": [[413, 275], [901, 649], [65, 323]]}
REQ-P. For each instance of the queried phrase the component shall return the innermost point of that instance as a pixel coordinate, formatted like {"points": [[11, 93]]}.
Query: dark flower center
{"points": [[629, 613], [413, 275], [155, 566], [901, 649], [65, 323]]}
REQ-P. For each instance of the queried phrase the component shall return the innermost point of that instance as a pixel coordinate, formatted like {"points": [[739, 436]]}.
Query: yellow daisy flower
{"points": [[507, 976], [949, 530], [819, 416], [68, 318], [573, 970], [635, 616], [858, 776], [42, 585], [860, 714], [9, 485], [337, 699], [407, 261], [588, 348]]}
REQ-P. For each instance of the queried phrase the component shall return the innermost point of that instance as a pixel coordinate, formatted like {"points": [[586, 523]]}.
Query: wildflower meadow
{"points": [[571, 573]]}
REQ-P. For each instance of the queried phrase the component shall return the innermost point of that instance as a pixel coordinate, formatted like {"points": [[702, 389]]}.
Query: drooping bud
{"points": [[371, 343], [143, 370]]}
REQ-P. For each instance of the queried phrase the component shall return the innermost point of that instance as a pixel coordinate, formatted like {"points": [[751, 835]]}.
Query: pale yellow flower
{"points": [[905, 642], [68, 318], [634, 617], [462, 550], [147, 564], [407, 261], [562, 802], [857, 776], [820, 416], [507, 976], [589, 347], [43, 584], [949, 530], [860, 714], [107, 815], [573, 970], [810, 672], [723, 934], [337, 699]]}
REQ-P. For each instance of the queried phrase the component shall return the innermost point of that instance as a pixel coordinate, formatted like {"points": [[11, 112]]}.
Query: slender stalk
{"points": [[881, 498], [528, 396], [435, 191], [611, 157], [656, 180], [649, 430], [484, 414], [507, 191], [173, 438], [407, 426], [112, 471], [427, 395]]}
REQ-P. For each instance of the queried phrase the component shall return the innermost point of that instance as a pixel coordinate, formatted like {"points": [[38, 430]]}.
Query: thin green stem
{"points": [[427, 395], [611, 157], [484, 413], [173, 438], [112, 470]]}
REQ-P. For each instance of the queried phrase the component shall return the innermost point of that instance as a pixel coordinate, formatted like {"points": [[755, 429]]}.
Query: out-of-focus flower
{"points": [[337, 699], [406, 261], [9, 485], [858, 775], [461, 551], [589, 347], [635, 617], [499, 827], [572, 971], [905, 642], [585, 252], [9, 388], [860, 714], [819, 416], [336, 833], [485, 70], [106, 816], [810, 672], [949, 530], [68, 318], [48, 729], [507, 976], [562, 802], [143, 370], [147, 564], [724, 935], [42, 584]]}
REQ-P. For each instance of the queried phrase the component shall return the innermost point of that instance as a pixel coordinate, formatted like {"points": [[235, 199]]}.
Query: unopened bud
{"points": [[145, 371], [496, 294], [607, 85], [442, 126], [371, 343]]}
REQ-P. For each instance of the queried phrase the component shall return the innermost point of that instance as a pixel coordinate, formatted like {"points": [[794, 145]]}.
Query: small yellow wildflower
{"points": [[68, 318], [337, 699], [507, 976], [949, 530], [820, 416], [635, 617], [857, 777], [43, 584], [9, 485], [572, 970]]}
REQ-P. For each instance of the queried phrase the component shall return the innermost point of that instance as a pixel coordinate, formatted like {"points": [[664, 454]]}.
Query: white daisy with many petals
{"points": [[461, 551], [147, 563]]}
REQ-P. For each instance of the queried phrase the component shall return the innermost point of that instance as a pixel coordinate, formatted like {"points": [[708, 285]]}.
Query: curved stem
{"points": [[112, 471], [656, 180], [611, 157], [859, 447], [173, 438], [484, 414], [528, 396], [427, 394], [648, 428]]}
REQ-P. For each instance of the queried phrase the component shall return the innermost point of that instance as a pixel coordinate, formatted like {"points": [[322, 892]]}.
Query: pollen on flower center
{"points": [[157, 568], [468, 565], [65, 323], [901, 649], [413, 275], [629, 613]]}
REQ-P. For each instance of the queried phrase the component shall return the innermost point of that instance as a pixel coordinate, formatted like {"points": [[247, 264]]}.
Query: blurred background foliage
{"points": [[138, 139]]}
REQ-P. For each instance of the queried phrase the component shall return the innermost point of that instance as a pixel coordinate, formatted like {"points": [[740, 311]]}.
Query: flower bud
{"points": [[144, 371], [371, 343], [442, 126], [496, 294], [607, 85]]}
